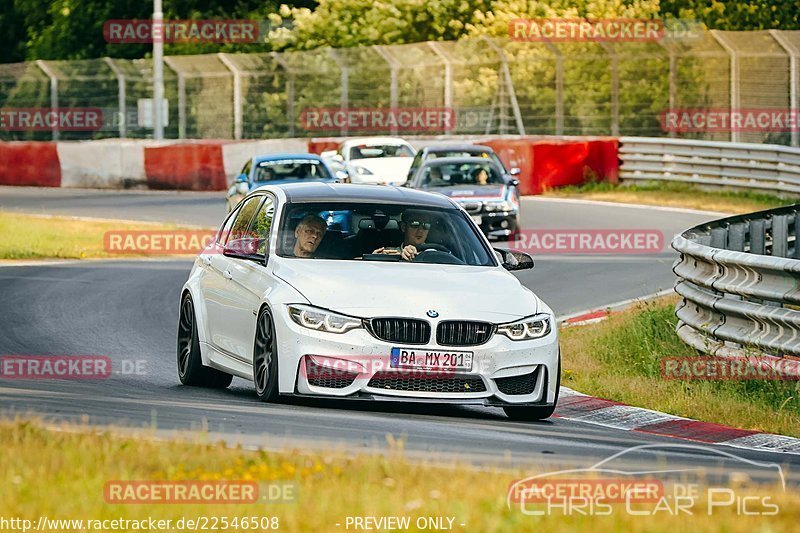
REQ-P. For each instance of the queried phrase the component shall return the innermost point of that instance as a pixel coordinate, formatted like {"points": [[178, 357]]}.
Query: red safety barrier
{"points": [[550, 164], [29, 163], [195, 166], [317, 146]]}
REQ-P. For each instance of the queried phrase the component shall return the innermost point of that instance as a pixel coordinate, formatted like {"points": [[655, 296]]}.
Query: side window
{"points": [[415, 164], [225, 230], [243, 218], [263, 223]]}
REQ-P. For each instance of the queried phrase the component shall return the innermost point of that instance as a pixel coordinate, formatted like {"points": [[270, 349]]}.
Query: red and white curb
{"points": [[575, 406], [582, 318], [578, 407]]}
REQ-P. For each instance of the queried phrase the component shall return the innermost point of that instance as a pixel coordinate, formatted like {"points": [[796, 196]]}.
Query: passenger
{"points": [[309, 234], [434, 176], [415, 226]]}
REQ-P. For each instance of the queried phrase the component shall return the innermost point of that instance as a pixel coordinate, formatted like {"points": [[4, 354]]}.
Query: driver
{"points": [[481, 176], [415, 225]]}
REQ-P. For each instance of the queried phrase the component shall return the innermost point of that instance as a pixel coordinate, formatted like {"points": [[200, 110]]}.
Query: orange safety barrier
{"points": [[196, 166], [29, 163], [317, 146]]}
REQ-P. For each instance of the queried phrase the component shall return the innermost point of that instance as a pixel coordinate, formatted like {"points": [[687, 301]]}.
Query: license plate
{"points": [[478, 219], [431, 359]]}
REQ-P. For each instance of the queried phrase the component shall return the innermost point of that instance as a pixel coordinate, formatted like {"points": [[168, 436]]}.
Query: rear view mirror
{"points": [[514, 260]]}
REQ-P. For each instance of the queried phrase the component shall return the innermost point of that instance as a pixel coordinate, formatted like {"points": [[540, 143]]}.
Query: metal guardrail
{"points": [[750, 166], [739, 280]]}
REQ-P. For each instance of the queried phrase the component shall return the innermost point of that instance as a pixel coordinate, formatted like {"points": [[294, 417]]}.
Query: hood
{"points": [[468, 192], [392, 169], [369, 289]]}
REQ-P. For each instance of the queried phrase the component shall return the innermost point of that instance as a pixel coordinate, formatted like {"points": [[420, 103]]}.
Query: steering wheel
{"points": [[436, 253], [426, 247]]}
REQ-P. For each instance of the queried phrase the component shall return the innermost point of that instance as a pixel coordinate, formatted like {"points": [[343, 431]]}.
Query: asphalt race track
{"points": [[127, 310]]}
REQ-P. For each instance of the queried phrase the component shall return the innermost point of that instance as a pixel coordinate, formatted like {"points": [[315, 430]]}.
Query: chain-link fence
{"points": [[493, 86]]}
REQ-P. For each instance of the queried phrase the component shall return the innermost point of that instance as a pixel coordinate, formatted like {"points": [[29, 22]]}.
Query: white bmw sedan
{"points": [[363, 292]]}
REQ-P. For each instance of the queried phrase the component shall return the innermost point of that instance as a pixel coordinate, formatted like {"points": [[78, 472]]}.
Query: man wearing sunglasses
{"points": [[415, 225]]}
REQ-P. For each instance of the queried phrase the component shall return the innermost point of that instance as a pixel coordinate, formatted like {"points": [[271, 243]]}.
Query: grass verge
{"points": [[62, 475], [50, 237], [620, 359], [674, 195]]}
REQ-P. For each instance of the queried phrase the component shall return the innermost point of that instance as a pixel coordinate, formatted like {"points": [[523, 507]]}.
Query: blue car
{"points": [[278, 169]]}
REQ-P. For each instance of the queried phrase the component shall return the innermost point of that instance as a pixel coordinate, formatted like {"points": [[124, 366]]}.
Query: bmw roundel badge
{"points": [[431, 313]]}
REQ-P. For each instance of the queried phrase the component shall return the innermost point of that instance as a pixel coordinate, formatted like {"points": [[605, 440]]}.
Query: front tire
{"points": [[191, 370], [265, 358], [534, 413]]}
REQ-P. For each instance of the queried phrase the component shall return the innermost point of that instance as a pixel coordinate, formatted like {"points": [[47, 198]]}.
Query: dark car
{"points": [[457, 150], [479, 185]]}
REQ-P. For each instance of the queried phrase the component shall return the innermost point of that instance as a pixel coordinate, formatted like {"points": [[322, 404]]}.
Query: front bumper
{"points": [[504, 372], [499, 225]]}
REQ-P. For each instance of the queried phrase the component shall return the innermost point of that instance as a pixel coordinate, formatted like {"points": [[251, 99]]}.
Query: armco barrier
{"points": [[29, 163], [767, 167], [739, 280]]}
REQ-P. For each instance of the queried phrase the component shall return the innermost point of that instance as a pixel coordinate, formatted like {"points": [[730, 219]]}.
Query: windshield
{"points": [[372, 151], [381, 232], [455, 174], [488, 154], [290, 169]]}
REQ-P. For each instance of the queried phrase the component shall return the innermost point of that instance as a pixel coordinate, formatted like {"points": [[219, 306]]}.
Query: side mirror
{"points": [[343, 176], [514, 260], [242, 187], [514, 182], [244, 248], [514, 171]]}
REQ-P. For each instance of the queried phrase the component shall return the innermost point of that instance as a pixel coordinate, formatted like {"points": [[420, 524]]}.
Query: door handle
{"points": [[227, 274]]}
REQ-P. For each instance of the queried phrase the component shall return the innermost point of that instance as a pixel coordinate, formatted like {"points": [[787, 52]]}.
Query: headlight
{"points": [[533, 327], [504, 205], [363, 171], [322, 320]]}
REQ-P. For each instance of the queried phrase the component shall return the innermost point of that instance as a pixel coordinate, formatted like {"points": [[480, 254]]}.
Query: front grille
{"points": [[463, 333], [402, 330], [524, 384], [330, 378], [400, 382]]}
